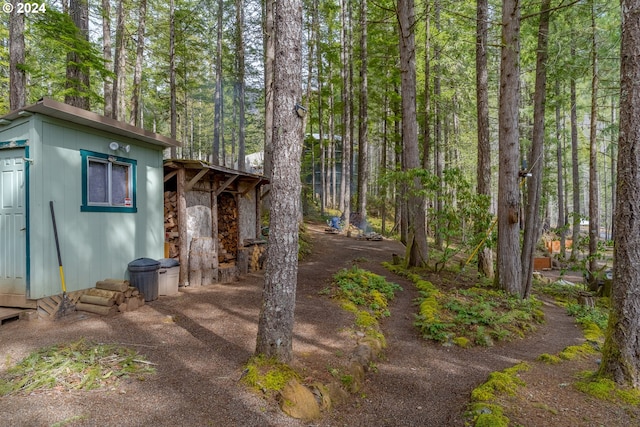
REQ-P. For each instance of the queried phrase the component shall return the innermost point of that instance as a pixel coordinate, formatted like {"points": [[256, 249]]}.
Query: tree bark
{"points": [[275, 324], [77, 73], [439, 146], [533, 229], [17, 74], [363, 128], [217, 108], [119, 65], [509, 268], [483, 171], [241, 85], [560, 174], [594, 211], [620, 353], [575, 166], [345, 179], [173, 109], [417, 250], [136, 97], [108, 57]]}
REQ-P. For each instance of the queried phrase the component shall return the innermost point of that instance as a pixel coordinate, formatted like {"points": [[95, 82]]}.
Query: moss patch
{"points": [[267, 374]]}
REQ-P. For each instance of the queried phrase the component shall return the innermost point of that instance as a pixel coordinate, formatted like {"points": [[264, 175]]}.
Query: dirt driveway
{"points": [[200, 338]]}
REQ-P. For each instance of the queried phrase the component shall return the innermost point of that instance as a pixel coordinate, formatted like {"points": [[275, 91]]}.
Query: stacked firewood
{"points": [[171, 222], [109, 297], [227, 228]]}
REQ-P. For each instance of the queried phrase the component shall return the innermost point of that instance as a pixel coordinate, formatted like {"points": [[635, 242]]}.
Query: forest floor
{"points": [[200, 339]]}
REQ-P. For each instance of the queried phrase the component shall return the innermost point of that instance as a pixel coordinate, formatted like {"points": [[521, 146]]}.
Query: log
{"points": [[112, 285], [118, 297], [203, 263], [243, 261], [97, 300], [97, 309]]}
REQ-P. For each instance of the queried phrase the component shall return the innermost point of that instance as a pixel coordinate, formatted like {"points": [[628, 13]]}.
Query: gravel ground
{"points": [[200, 339]]}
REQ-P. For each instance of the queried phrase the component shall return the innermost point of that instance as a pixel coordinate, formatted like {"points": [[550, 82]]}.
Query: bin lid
{"points": [[144, 264], [168, 262]]}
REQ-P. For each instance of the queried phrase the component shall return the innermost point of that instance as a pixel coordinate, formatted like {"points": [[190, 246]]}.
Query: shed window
{"points": [[108, 183]]}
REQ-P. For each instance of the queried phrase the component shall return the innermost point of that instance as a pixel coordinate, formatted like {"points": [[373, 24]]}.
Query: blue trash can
{"points": [[143, 274]]}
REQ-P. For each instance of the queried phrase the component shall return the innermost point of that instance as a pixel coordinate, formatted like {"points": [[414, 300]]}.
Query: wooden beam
{"points": [[265, 193], [170, 175], [251, 187], [226, 184], [195, 179]]}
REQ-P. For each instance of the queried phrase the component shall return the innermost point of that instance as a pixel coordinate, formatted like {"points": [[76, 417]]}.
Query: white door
{"points": [[12, 223]]}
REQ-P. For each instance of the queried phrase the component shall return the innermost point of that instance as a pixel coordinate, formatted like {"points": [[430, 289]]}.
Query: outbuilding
{"points": [[212, 221], [105, 179]]}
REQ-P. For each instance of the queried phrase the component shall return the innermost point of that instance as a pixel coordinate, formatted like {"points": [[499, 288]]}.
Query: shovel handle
{"points": [[55, 234]]}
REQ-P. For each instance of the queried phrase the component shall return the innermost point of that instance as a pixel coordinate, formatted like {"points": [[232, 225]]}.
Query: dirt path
{"points": [[428, 384], [200, 339]]}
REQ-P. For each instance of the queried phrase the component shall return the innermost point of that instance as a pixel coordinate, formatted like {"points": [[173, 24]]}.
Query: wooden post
{"points": [[214, 227], [256, 193], [183, 278]]}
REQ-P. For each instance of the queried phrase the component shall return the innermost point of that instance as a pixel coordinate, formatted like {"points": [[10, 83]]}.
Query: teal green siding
{"points": [[94, 245]]}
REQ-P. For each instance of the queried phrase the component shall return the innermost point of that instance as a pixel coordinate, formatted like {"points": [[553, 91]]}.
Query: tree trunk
{"points": [[426, 128], [439, 145], [136, 96], [119, 65], [560, 176], [483, 171], [269, 55], [217, 114], [241, 71], [323, 145], [17, 74], [275, 324], [345, 179], [574, 159], [77, 73], [108, 57], [417, 250], [173, 112], [594, 212], [532, 229], [509, 267], [622, 346], [363, 129]]}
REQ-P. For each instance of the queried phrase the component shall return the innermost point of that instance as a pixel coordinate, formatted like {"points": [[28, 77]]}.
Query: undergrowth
{"points": [[79, 365], [365, 290], [477, 315]]}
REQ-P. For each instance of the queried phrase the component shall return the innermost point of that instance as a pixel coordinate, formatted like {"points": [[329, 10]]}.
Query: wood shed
{"points": [[212, 221]]}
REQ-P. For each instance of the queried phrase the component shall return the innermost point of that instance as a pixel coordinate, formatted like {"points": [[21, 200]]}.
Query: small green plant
{"points": [[587, 315], [79, 365]]}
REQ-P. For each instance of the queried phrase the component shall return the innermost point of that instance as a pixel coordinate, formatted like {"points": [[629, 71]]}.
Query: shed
{"points": [[105, 179], [212, 221]]}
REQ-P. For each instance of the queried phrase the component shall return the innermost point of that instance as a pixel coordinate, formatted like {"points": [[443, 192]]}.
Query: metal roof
{"points": [[59, 110]]}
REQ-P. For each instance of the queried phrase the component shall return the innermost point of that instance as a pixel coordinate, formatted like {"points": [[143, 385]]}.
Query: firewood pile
{"points": [[109, 297], [171, 222], [227, 228]]}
